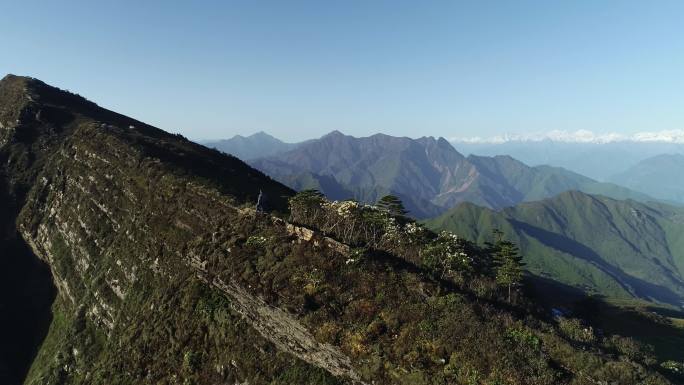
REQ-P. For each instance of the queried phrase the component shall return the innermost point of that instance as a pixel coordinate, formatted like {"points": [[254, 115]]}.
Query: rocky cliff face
{"points": [[165, 275]]}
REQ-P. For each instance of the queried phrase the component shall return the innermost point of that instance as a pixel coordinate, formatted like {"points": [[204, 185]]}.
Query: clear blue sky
{"points": [[299, 69]]}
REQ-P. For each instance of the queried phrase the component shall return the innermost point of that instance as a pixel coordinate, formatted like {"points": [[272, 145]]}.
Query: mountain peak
{"points": [[17, 91], [36, 112], [334, 134], [28, 86], [11, 78], [261, 134], [443, 142], [257, 145], [14, 86]]}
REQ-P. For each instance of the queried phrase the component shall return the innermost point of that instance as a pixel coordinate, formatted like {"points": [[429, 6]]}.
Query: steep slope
{"points": [[111, 205], [427, 173], [166, 274], [615, 248], [254, 146], [661, 176]]}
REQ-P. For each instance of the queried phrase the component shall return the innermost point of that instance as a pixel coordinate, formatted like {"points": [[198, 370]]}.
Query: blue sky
{"points": [[298, 69]]}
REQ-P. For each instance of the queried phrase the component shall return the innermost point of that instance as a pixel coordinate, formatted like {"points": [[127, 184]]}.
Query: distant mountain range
{"points": [[250, 147], [609, 247], [599, 161], [661, 176], [428, 174]]}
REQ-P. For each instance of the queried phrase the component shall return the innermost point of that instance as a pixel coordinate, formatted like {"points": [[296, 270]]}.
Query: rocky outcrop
{"points": [[286, 332]]}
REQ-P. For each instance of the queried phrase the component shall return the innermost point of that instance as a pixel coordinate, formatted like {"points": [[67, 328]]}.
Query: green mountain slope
{"points": [[428, 174], [660, 176], [615, 248]]}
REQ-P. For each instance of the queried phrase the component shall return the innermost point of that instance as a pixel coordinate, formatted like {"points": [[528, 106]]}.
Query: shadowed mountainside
{"points": [[604, 246]]}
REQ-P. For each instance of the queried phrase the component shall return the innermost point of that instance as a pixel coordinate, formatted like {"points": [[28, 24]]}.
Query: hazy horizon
{"points": [[568, 137]]}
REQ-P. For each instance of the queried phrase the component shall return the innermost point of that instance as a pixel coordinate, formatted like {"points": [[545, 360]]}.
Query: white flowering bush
{"points": [[392, 233], [413, 228], [382, 228], [346, 209], [414, 233], [447, 256], [349, 221]]}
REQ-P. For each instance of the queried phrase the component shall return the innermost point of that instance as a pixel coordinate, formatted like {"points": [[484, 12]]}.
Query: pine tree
{"points": [[305, 206], [393, 205], [509, 266]]}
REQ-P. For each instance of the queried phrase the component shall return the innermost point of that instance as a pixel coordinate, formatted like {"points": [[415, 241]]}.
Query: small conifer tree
{"points": [[509, 265], [393, 205]]}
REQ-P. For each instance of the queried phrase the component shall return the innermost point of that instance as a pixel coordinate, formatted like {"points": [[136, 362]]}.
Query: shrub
{"points": [[573, 329], [328, 332], [256, 241], [446, 256], [357, 343], [524, 337], [632, 349], [312, 280], [191, 361]]}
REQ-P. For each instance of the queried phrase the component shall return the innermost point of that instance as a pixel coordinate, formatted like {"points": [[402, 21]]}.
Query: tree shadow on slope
{"points": [[636, 286], [646, 324]]}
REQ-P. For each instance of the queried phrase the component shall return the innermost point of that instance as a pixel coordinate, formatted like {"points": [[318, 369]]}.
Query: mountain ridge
{"points": [[253, 146], [597, 161], [427, 173], [659, 176]]}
